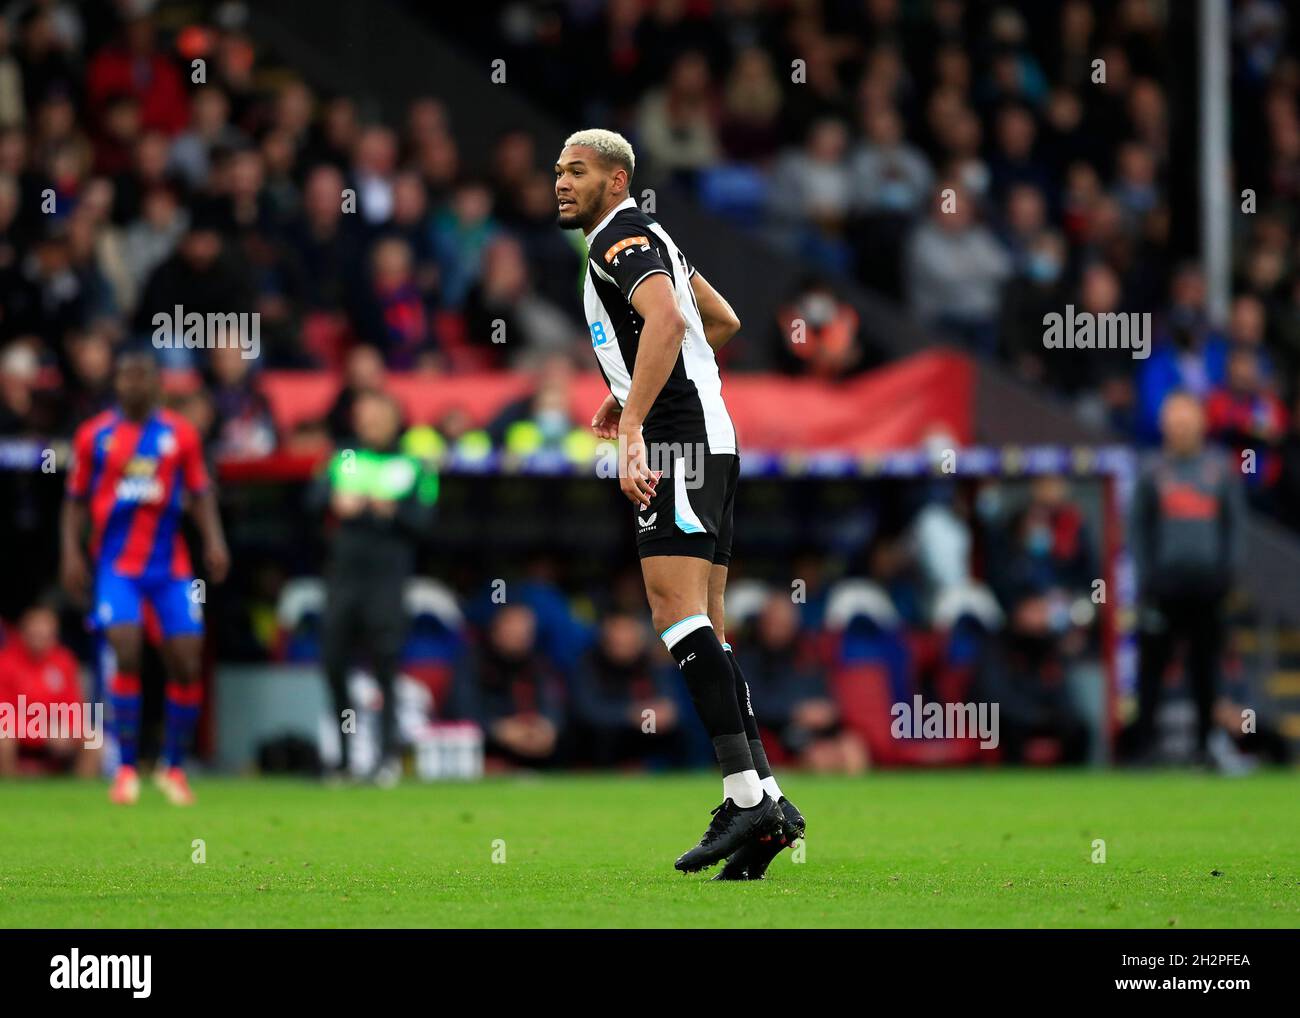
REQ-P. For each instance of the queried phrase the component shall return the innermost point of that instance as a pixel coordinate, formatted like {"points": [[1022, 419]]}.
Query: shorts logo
{"points": [[646, 524], [642, 242]]}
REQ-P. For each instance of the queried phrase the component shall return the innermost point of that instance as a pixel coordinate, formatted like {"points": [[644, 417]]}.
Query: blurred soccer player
{"points": [[133, 467], [1188, 546], [655, 323]]}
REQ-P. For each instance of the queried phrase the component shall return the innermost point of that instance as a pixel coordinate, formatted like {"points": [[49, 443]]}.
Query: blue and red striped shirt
{"points": [[134, 474]]}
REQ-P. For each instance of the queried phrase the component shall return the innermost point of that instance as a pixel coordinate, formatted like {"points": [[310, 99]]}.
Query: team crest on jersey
{"points": [[166, 443], [641, 242]]}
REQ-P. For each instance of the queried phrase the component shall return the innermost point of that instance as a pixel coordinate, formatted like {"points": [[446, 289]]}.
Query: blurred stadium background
{"points": [[866, 571]]}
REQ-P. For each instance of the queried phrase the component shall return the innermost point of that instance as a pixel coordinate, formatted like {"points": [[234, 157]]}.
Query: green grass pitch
{"points": [[985, 849]]}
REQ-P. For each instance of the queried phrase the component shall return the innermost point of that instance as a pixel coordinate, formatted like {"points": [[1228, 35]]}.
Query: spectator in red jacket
{"points": [[135, 66], [1245, 415], [36, 668]]}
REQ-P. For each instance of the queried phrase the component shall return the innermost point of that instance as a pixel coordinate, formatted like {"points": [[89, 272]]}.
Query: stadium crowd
{"points": [[128, 186]]}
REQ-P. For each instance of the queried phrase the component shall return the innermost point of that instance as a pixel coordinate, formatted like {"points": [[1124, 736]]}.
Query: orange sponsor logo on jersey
{"points": [[1184, 502], [627, 242]]}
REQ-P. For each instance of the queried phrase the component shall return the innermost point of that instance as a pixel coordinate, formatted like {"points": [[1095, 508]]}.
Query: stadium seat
{"points": [[735, 192]]}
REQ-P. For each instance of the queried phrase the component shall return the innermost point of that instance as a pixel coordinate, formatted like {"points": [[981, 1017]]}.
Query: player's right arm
{"points": [[720, 321], [74, 573]]}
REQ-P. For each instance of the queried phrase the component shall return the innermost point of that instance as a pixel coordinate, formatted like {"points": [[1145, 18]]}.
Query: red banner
{"points": [[893, 407]]}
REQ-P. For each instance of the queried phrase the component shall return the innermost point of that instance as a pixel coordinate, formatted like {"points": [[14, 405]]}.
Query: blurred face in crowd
{"points": [[828, 141], [278, 153], [472, 204], [585, 184], [1099, 290], [1243, 370], [229, 365], [1183, 424], [622, 639], [324, 197], [514, 157], [136, 383], [409, 199], [392, 264], [160, 208], [340, 122], [92, 360], [426, 117], [377, 151], [376, 420], [504, 270], [365, 369], [211, 109], [439, 159], [122, 119], [513, 631], [246, 174], [201, 247], [778, 623], [1016, 133], [1188, 288], [40, 631], [1246, 324], [97, 200], [56, 118], [293, 108], [884, 127]]}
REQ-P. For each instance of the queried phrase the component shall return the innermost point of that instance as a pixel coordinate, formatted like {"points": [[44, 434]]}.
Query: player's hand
{"points": [[635, 477], [384, 507], [217, 558], [605, 423], [74, 575]]}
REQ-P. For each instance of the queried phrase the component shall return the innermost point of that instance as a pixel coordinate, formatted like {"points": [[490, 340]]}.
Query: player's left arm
{"points": [[203, 506], [720, 321]]}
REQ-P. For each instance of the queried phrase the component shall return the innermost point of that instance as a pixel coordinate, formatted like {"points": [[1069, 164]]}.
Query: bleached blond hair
{"points": [[611, 145]]}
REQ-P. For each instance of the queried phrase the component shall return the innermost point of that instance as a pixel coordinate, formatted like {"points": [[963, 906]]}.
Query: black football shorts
{"points": [[693, 507]]}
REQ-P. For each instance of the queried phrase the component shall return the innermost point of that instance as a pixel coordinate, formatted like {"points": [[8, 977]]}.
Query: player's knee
{"points": [[126, 653], [671, 611]]}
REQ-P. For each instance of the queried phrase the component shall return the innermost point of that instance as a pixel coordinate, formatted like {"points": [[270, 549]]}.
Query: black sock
{"points": [[712, 686], [756, 750]]}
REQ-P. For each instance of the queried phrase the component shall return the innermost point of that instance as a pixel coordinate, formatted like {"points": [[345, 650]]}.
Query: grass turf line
{"points": [[968, 849]]}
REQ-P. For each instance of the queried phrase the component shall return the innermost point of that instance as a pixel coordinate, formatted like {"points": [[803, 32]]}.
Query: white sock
{"points": [[770, 786], [743, 788]]}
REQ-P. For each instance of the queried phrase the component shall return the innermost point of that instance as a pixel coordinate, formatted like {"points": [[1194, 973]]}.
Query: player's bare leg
{"points": [[182, 656], [677, 588], [124, 696], [751, 861]]}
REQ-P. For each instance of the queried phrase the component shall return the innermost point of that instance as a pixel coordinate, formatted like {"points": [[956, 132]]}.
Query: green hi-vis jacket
{"points": [[375, 542]]}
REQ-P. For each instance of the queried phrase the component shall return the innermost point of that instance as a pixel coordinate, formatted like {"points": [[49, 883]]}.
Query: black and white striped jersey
{"points": [[624, 249]]}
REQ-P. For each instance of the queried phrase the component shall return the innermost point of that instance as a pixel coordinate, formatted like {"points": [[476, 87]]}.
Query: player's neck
{"points": [[603, 213], [137, 416]]}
